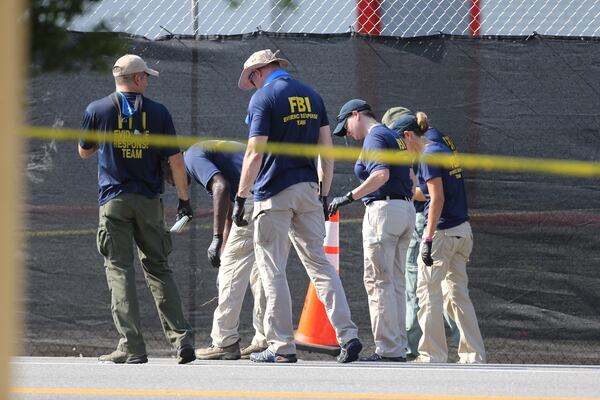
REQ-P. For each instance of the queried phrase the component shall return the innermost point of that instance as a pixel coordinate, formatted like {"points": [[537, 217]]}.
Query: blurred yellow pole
{"points": [[12, 73]]}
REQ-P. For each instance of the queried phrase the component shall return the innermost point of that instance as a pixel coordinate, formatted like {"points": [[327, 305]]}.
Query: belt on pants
{"points": [[387, 198]]}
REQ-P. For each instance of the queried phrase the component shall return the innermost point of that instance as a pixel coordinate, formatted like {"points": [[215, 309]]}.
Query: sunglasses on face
{"points": [[251, 76]]}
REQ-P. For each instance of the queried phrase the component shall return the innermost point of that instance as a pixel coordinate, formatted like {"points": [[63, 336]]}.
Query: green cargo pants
{"points": [[126, 219]]}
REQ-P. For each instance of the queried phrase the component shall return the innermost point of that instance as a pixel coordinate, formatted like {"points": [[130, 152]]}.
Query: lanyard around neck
{"points": [[127, 113], [126, 110]]}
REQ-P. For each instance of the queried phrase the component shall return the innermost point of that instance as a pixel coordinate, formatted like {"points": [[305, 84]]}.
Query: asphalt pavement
{"points": [[84, 378]]}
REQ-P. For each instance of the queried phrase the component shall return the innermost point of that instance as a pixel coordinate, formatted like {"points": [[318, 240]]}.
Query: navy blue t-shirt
{"points": [[455, 210], [399, 184], [126, 167], [435, 136], [287, 111], [419, 205], [202, 164]]}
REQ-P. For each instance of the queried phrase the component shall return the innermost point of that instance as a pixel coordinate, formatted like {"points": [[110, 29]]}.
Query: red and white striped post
{"points": [[331, 244], [368, 17]]}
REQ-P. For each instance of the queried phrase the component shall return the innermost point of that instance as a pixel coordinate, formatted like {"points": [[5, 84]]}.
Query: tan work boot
{"points": [[120, 357], [231, 352], [251, 348]]}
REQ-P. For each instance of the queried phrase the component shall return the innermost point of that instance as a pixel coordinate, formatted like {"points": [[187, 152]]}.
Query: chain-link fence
{"points": [[534, 276], [533, 273], [158, 18]]}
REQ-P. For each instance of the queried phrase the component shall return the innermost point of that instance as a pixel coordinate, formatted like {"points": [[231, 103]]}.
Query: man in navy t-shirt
{"points": [[131, 210], [388, 223], [216, 165], [286, 194]]}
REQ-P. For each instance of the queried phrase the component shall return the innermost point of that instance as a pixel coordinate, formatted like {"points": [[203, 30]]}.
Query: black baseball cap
{"points": [[346, 111], [406, 122]]}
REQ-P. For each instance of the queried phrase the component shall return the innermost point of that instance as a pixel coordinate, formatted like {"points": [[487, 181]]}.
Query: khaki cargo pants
{"points": [[450, 251], [238, 268], [132, 219], [413, 330], [387, 228], [298, 212]]}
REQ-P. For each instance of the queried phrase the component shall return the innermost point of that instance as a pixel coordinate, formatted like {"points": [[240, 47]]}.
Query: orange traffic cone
{"points": [[315, 332]]}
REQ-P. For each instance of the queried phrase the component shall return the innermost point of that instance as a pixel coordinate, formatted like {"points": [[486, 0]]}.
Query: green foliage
{"points": [[55, 48], [286, 4], [234, 3]]}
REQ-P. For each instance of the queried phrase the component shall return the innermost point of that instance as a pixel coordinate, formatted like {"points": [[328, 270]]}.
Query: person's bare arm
{"points": [[436, 204], [179, 176], [325, 164], [221, 202], [221, 217], [377, 179], [419, 196], [251, 165], [87, 153]]}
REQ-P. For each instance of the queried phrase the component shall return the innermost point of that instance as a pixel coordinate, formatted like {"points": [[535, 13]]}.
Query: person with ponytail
{"points": [[413, 330], [445, 248]]}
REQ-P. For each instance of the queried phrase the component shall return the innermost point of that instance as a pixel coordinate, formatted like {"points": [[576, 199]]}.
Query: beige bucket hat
{"points": [[259, 60]]}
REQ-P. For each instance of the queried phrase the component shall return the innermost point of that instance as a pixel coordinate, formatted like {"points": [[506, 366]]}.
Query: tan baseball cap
{"points": [[131, 64], [258, 60], [392, 115]]}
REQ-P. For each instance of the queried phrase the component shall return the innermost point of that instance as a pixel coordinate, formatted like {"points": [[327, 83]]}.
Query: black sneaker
{"points": [[268, 356], [185, 354], [377, 357], [349, 351], [121, 357]]}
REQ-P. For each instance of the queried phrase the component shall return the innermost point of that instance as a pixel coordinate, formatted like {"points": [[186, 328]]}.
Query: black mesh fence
{"points": [[535, 269]]}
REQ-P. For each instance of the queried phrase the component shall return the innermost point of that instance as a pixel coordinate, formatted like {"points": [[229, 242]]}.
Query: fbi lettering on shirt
{"points": [[455, 170], [131, 142], [300, 110], [450, 143], [401, 144]]}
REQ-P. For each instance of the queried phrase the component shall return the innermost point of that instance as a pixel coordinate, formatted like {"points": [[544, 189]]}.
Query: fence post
{"points": [[368, 17]]}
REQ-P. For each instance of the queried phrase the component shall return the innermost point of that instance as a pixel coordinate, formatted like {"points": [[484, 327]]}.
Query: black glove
{"points": [[325, 202], [426, 253], [184, 208], [214, 250], [338, 202], [238, 211]]}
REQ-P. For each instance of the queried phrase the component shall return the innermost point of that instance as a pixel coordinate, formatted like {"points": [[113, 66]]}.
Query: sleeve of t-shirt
{"points": [[169, 129], [86, 126], [200, 167], [375, 142], [429, 172], [259, 116]]}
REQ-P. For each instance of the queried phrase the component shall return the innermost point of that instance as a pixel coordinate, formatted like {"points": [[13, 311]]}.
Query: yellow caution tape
{"points": [[468, 161]]}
